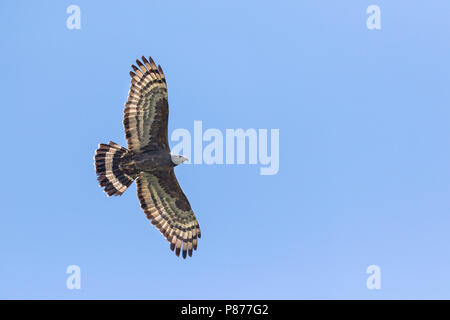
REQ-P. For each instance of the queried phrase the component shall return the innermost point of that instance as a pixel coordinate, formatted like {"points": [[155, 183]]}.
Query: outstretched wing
{"points": [[167, 207], [147, 110]]}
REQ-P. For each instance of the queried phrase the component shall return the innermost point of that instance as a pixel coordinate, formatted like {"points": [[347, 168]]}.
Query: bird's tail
{"points": [[111, 175]]}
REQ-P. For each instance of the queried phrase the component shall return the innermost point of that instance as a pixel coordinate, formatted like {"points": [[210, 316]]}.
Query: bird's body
{"points": [[148, 160]]}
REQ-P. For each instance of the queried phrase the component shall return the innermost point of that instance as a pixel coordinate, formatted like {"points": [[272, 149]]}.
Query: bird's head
{"points": [[177, 159]]}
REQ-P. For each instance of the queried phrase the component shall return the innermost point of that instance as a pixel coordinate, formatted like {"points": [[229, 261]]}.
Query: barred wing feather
{"points": [[147, 110], [167, 207]]}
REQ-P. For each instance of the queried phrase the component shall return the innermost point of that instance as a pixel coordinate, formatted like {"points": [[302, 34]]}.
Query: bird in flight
{"points": [[148, 160]]}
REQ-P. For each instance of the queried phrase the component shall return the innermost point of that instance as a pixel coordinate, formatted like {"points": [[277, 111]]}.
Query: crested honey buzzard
{"points": [[148, 160]]}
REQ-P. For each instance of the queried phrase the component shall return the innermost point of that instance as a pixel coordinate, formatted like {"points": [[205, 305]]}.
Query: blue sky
{"points": [[364, 172]]}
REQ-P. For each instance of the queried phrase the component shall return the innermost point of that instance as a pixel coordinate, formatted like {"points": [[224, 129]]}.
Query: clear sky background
{"points": [[364, 148]]}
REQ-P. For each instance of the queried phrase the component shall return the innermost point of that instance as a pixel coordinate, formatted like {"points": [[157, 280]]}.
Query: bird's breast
{"points": [[152, 160]]}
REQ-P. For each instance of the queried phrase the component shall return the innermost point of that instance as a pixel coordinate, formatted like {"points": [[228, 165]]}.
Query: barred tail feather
{"points": [[110, 175]]}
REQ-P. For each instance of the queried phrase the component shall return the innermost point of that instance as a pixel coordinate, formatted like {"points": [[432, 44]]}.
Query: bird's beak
{"points": [[185, 159]]}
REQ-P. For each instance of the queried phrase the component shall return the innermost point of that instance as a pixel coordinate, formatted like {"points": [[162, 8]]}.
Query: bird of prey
{"points": [[148, 160]]}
